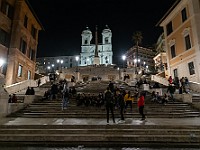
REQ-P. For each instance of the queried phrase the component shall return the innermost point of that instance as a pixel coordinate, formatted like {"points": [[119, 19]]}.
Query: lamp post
{"points": [[52, 67], [123, 58], [60, 62], [119, 72], [48, 68], [77, 59]]}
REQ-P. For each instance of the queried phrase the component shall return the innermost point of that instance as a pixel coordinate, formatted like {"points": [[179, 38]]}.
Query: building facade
{"points": [[160, 59], [145, 58], [51, 64], [19, 28], [105, 53], [181, 26]]}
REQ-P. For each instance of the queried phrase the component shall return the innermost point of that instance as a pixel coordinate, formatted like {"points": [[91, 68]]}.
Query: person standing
{"points": [[128, 100], [141, 105], [171, 91], [14, 98], [28, 91], [109, 104], [120, 99], [170, 80], [32, 91], [65, 98], [39, 81]]}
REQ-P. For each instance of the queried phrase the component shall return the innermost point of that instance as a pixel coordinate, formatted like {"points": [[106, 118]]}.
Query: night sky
{"points": [[64, 21]]}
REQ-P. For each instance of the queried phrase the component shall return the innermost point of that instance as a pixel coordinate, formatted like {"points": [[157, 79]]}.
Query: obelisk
{"points": [[96, 56]]}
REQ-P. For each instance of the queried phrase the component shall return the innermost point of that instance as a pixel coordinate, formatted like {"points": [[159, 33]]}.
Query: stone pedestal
{"points": [[3, 98]]}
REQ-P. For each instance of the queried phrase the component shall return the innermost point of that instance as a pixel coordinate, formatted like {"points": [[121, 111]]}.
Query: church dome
{"points": [[87, 31], [107, 29]]}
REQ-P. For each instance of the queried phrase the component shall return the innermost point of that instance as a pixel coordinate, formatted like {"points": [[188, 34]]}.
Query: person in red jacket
{"points": [[141, 105]]}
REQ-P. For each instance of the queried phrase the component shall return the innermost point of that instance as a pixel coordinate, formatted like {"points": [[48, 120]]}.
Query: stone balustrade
{"points": [[24, 85]]}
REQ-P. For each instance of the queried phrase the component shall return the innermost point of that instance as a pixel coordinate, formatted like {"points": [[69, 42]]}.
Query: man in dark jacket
{"points": [[171, 89], [109, 104], [120, 100]]}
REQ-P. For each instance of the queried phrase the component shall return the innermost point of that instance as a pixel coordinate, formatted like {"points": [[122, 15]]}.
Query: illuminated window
{"points": [[19, 74]]}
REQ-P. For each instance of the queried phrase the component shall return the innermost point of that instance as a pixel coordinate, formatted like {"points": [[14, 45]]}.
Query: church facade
{"points": [[104, 49]]}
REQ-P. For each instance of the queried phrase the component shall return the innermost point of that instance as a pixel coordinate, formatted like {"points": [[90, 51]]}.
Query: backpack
{"points": [[109, 97]]}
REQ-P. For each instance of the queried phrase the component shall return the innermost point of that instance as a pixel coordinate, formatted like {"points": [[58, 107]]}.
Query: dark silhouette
{"points": [[14, 98], [32, 91], [109, 104], [39, 82], [28, 91]]}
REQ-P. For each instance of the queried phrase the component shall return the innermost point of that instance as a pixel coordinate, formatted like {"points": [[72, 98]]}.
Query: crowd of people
{"points": [[182, 85], [113, 99]]}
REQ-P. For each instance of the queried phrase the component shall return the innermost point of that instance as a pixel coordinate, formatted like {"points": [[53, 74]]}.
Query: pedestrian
{"points": [[32, 91], [28, 91], [109, 104], [111, 86], [120, 99], [128, 100], [171, 91], [65, 98], [170, 80], [10, 99], [39, 81], [14, 98], [141, 103]]}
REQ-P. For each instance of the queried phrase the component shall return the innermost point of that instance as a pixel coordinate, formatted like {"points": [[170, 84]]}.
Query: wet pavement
{"points": [[86, 121]]}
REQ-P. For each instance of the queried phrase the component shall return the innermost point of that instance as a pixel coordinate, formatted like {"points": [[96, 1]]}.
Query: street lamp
{"points": [[137, 64], [119, 72], [60, 62], [77, 59], [52, 67], [48, 68], [123, 58]]}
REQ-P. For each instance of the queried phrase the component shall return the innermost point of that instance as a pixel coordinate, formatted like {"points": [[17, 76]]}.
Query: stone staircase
{"points": [[52, 108], [100, 135], [196, 98]]}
